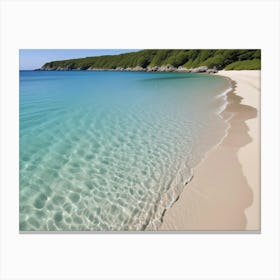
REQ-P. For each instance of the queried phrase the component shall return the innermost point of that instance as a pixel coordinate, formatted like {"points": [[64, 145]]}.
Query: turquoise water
{"points": [[111, 150]]}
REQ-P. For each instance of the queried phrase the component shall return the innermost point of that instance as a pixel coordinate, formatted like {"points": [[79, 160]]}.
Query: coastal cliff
{"points": [[196, 61]]}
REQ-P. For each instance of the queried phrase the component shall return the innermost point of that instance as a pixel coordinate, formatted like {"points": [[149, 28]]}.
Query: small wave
{"points": [[223, 96]]}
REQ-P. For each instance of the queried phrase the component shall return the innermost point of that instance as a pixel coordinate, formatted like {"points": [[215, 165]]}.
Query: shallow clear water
{"points": [[111, 150]]}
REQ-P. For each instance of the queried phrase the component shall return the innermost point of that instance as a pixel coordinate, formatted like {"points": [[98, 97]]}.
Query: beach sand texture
{"points": [[225, 191]]}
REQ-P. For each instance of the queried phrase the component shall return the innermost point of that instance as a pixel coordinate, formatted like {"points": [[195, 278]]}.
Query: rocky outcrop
{"points": [[212, 71], [183, 69], [94, 69], [152, 69], [163, 68], [199, 69], [167, 68], [48, 69], [139, 69], [63, 69], [57, 69]]}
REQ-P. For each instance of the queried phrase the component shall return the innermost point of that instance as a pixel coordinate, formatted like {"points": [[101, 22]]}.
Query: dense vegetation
{"points": [[253, 64], [228, 59]]}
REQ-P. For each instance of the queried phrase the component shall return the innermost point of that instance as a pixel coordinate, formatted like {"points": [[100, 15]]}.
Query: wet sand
{"points": [[224, 193]]}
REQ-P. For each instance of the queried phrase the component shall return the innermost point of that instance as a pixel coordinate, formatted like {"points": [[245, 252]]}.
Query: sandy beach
{"points": [[224, 193]]}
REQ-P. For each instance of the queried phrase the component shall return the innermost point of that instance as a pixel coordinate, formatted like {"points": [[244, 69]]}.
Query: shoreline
{"points": [[224, 193], [160, 69]]}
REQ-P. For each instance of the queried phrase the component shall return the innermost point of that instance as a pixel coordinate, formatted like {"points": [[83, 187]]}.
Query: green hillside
{"points": [[221, 59]]}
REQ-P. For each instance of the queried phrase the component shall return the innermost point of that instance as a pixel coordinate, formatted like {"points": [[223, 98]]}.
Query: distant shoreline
{"points": [[165, 68]]}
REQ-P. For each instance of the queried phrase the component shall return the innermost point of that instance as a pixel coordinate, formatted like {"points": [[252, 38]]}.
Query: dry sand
{"points": [[225, 191]]}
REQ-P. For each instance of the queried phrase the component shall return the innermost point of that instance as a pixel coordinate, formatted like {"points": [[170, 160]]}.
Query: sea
{"points": [[111, 151]]}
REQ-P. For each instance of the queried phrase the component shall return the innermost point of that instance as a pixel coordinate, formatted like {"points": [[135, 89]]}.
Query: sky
{"points": [[30, 59]]}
